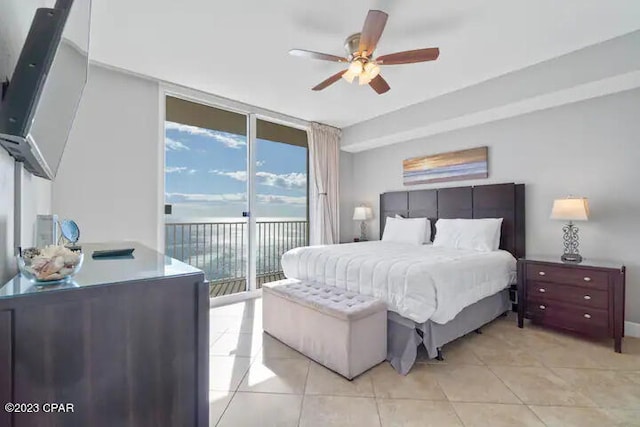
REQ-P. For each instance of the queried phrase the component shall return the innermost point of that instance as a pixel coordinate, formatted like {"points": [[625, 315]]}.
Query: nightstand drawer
{"points": [[568, 275], [573, 295], [587, 298], [585, 320]]}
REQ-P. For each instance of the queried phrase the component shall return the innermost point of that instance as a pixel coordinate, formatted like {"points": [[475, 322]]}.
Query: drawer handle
{"points": [[542, 307], [587, 279], [542, 290], [541, 273], [587, 315], [587, 297]]}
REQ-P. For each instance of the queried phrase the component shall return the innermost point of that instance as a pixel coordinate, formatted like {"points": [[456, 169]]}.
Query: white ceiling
{"points": [[238, 49]]}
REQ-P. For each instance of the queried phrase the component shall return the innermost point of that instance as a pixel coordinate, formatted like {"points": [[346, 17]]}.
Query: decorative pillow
{"points": [[476, 234], [404, 231], [427, 234]]}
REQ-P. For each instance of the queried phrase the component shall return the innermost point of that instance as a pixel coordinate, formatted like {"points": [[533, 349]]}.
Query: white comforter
{"points": [[418, 282]]}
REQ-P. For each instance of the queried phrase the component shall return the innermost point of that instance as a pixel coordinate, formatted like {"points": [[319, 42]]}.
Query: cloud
{"points": [[228, 139], [191, 130], [174, 169], [289, 181], [173, 145], [237, 175], [179, 169], [205, 198], [281, 200], [231, 141], [233, 198], [260, 163]]}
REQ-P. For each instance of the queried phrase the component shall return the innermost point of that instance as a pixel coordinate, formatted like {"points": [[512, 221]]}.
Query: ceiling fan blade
{"points": [[409, 56], [379, 84], [317, 55], [372, 31], [331, 80]]}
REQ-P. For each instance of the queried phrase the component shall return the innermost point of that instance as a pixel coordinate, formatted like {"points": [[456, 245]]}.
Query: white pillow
{"points": [[427, 234], [403, 231], [476, 234]]}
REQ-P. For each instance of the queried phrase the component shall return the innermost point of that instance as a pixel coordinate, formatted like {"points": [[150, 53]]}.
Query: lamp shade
{"points": [[362, 213], [571, 209]]}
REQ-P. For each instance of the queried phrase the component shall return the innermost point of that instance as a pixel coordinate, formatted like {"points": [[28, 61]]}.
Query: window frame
{"points": [[253, 115]]}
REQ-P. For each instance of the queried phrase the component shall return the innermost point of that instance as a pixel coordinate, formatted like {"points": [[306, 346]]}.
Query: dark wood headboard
{"points": [[482, 201]]}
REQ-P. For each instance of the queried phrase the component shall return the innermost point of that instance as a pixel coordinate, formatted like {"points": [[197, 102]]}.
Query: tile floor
{"points": [[503, 377]]}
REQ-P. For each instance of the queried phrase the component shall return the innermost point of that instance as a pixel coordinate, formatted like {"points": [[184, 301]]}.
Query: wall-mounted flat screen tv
{"points": [[40, 105]]}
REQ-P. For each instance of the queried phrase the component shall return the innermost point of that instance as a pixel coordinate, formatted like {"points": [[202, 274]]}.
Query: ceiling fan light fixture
{"points": [[355, 67], [364, 79], [349, 76], [359, 49], [371, 69]]}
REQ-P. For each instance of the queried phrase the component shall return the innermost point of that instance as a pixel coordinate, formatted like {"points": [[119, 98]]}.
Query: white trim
{"points": [[161, 175], [608, 86], [233, 298], [18, 168], [252, 238], [632, 329], [123, 70]]}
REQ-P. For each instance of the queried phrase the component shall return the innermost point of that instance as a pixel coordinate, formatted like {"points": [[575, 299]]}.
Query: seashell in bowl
{"points": [[50, 265]]}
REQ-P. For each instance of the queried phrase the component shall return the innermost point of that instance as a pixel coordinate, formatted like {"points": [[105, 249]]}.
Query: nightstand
{"points": [[585, 298]]}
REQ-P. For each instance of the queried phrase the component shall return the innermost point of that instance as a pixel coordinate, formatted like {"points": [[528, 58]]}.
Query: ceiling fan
{"points": [[360, 48]]}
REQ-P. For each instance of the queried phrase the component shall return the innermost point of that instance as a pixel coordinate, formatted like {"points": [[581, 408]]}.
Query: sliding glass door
{"points": [[281, 196], [206, 193], [235, 194]]}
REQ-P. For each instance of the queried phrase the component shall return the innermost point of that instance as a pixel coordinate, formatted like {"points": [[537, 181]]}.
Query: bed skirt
{"points": [[404, 336]]}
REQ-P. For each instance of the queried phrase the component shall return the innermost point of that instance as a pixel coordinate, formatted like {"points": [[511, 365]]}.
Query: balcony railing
{"points": [[219, 249]]}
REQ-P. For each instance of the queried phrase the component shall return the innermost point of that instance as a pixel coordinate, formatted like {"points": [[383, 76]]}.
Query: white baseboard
{"points": [[632, 329]]}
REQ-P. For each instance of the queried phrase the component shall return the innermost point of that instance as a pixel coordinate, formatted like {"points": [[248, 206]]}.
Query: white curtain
{"points": [[324, 156]]}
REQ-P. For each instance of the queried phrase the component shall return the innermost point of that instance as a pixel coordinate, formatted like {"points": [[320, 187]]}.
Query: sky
{"points": [[206, 176]]}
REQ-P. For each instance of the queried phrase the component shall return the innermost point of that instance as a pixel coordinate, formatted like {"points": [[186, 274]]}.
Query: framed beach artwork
{"points": [[452, 166]]}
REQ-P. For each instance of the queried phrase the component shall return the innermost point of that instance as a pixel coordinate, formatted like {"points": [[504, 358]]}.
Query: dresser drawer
{"points": [[569, 276], [585, 320], [572, 295]]}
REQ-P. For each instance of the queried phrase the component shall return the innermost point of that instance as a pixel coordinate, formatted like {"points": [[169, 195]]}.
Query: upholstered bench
{"points": [[342, 330]]}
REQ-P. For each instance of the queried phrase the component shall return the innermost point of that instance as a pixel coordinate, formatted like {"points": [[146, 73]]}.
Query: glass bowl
{"points": [[25, 267]]}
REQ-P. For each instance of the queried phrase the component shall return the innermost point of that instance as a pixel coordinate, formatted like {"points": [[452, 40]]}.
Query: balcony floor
{"points": [[233, 286]]}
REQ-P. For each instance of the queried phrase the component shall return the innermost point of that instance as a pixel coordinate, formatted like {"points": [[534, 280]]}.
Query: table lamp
{"points": [[363, 214], [571, 209]]}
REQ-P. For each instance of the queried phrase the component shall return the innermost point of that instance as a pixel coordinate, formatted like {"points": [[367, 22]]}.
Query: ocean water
{"points": [[219, 246], [173, 219]]}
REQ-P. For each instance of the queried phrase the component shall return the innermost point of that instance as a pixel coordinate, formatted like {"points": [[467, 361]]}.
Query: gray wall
{"points": [[346, 196], [6, 216], [589, 149], [109, 179], [603, 68]]}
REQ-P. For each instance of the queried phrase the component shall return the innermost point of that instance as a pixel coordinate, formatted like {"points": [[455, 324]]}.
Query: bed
{"points": [[434, 295], [419, 282]]}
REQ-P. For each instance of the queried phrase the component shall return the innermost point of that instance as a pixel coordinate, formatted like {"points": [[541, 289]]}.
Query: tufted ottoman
{"points": [[342, 330]]}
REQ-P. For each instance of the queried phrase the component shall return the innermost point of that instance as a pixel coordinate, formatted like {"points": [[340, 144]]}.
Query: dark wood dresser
{"points": [[585, 298], [126, 343]]}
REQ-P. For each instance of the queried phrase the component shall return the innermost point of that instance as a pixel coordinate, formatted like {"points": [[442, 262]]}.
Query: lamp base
{"points": [[363, 231], [574, 258]]}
